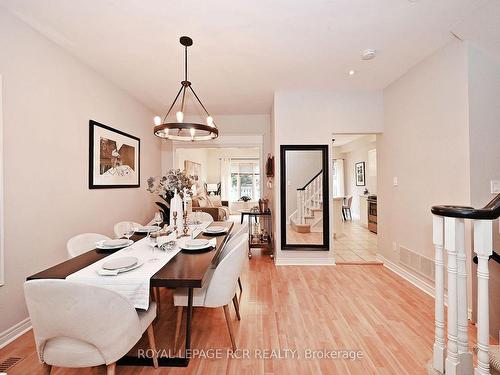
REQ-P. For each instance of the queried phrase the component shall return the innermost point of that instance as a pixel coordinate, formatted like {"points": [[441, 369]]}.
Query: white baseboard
{"points": [[408, 276], [304, 262], [12, 333], [419, 283]]}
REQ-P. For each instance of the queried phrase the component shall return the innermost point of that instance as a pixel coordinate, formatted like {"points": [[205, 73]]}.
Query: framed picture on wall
{"points": [[114, 158], [193, 169], [359, 172]]}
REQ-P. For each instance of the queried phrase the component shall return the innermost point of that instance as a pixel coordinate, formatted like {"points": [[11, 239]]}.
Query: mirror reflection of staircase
{"points": [[308, 217]]}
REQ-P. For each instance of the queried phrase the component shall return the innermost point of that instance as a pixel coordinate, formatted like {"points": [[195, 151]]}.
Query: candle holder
{"points": [[185, 229], [174, 217]]}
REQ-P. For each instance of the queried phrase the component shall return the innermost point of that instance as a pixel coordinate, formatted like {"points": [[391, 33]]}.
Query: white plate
{"points": [[120, 263], [100, 245], [115, 243], [147, 229], [195, 244], [215, 229], [103, 272]]}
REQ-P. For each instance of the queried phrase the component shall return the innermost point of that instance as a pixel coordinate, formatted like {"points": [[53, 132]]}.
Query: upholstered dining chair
{"points": [[219, 290], [201, 216], [121, 227], [79, 325], [238, 231], [82, 243]]}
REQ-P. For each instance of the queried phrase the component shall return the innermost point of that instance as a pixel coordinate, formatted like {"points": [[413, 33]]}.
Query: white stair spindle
{"points": [[483, 247], [465, 356], [452, 364], [439, 340]]}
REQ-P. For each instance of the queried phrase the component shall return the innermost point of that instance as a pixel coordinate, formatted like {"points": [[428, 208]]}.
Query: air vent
{"points": [[8, 363], [417, 262]]}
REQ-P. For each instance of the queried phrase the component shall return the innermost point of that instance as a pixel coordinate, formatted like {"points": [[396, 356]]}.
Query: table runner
{"points": [[134, 284]]}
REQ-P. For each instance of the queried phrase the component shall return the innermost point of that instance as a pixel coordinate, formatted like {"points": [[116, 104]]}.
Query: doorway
{"points": [[354, 185]]}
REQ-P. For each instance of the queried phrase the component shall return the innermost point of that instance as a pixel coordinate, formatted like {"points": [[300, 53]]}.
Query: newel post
{"points": [[452, 229], [483, 247], [439, 340]]}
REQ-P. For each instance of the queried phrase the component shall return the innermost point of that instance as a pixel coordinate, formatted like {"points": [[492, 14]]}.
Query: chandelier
{"points": [[177, 129]]}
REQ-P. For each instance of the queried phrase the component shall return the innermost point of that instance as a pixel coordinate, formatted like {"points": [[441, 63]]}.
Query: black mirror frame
{"points": [[326, 196]]}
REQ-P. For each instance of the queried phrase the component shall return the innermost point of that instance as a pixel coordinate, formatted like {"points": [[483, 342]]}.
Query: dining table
{"points": [[185, 270]]}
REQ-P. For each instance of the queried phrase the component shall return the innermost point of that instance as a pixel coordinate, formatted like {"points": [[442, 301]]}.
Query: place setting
{"points": [[116, 266]]}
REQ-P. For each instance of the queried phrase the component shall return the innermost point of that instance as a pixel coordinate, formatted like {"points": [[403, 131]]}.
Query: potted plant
{"points": [[165, 187]]}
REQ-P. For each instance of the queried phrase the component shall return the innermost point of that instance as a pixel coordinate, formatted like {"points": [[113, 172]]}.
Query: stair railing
{"points": [[452, 357], [307, 198]]}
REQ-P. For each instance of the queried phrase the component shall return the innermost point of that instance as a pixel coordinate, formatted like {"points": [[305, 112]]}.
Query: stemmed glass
{"points": [[158, 219], [129, 230], [153, 242]]}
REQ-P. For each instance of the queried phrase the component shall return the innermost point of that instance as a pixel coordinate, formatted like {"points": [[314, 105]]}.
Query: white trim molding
{"points": [[2, 258], [424, 286], [12, 333], [408, 276]]}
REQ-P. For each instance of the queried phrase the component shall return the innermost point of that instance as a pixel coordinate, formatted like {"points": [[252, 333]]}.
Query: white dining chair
{"points": [[79, 325], [121, 227], [219, 290], [201, 216], [236, 233], [82, 243]]}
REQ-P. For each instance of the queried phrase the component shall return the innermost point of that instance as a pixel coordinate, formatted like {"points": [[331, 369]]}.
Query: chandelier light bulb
{"points": [[192, 132], [157, 120], [180, 116], [210, 121]]}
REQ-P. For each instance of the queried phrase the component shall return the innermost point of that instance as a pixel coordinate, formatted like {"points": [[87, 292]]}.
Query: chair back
{"points": [[91, 314], [120, 228], [236, 233], [82, 243], [349, 201], [222, 286], [201, 216]]}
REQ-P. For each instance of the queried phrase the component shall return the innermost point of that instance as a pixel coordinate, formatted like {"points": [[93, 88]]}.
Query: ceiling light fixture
{"points": [[352, 72], [177, 129]]}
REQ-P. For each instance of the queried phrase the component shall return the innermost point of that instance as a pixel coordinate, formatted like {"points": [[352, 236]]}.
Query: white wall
{"points": [[484, 132], [48, 99], [425, 145], [311, 117]]}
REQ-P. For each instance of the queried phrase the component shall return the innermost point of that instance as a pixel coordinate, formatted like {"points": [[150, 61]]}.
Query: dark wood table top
{"points": [[186, 270]]}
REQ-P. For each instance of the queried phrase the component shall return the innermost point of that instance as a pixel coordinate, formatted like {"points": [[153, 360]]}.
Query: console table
{"points": [[260, 230]]}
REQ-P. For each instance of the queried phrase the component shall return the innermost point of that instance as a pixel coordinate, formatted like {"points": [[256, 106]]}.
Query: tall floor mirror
{"points": [[304, 197]]}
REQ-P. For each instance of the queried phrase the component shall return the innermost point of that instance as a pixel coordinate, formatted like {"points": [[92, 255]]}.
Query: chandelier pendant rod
{"points": [[199, 101], [171, 106]]}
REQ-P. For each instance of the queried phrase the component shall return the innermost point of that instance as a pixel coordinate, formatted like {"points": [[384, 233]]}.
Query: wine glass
{"points": [[129, 230], [153, 242], [158, 219]]}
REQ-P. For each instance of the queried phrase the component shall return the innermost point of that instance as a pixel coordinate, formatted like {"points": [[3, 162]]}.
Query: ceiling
{"points": [[245, 50]]}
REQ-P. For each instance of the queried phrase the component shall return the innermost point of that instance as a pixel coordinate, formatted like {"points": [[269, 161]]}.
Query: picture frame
{"points": [[114, 158], [193, 168], [360, 173]]}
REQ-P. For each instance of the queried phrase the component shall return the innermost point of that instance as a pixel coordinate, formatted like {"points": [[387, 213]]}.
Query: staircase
{"points": [[451, 355], [308, 217]]}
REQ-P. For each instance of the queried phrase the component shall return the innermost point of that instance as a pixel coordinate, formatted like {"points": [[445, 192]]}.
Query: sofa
{"points": [[213, 205]]}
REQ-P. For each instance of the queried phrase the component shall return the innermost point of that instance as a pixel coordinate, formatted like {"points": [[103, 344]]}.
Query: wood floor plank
{"points": [[363, 308]]}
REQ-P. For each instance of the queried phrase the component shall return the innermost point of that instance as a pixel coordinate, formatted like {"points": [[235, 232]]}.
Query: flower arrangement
{"points": [[165, 187]]}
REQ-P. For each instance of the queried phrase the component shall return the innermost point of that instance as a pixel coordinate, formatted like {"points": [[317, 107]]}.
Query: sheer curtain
{"points": [[225, 178], [338, 178]]}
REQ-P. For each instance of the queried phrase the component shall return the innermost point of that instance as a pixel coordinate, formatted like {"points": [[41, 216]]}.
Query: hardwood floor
{"points": [[346, 307], [355, 245]]}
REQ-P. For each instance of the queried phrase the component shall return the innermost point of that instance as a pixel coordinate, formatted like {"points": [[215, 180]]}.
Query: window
{"points": [[245, 179]]}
